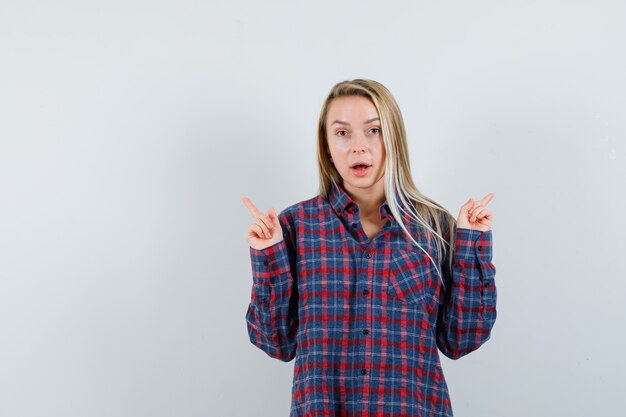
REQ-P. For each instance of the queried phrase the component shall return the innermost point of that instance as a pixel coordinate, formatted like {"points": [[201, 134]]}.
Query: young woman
{"points": [[366, 282]]}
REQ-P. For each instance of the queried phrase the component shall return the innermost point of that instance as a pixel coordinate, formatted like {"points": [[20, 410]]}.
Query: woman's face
{"points": [[354, 136]]}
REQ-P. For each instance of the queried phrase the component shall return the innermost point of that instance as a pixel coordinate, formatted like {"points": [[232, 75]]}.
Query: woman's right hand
{"points": [[266, 230]]}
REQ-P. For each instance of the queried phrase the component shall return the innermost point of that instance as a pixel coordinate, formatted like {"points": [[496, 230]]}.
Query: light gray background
{"points": [[130, 131]]}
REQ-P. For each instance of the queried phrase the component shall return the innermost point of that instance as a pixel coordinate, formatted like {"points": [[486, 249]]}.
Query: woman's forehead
{"points": [[352, 109]]}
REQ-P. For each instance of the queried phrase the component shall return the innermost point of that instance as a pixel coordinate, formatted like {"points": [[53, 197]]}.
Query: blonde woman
{"points": [[365, 283]]}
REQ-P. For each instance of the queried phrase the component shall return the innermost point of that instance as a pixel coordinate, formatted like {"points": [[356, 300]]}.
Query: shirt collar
{"points": [[342, 202]]}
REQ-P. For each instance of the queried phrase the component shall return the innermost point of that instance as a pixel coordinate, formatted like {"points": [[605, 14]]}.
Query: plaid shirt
{"points": [[365, 318]]}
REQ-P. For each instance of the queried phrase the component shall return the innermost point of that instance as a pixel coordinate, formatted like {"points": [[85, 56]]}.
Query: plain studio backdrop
{"points": [[131, 130]]}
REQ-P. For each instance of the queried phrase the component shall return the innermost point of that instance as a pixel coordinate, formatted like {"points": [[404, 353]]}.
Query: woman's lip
{"points": [[361, 172]]}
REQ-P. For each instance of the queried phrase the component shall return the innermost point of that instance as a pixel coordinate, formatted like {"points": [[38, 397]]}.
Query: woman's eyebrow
{"points": [[346, 123]]}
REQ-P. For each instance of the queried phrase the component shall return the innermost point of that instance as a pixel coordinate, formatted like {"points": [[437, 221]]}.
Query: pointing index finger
{"points": [[487, 198], [251, 207]]}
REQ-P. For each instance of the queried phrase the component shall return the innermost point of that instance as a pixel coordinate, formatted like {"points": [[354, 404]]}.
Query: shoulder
{"points": [[302, 209]]}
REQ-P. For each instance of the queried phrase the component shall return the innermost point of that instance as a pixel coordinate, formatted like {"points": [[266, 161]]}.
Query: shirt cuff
{"points": [[473, 245], [270, 262]]}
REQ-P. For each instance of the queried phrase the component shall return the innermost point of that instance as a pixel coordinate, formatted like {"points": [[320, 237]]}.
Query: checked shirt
{"points": [[366, 319]]}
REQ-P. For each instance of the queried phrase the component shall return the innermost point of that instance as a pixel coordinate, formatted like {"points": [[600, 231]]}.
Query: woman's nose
{"points": [[359, 143]]}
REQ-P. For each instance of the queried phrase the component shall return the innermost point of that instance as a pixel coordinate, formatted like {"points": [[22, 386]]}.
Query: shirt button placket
{"points": [[367, 256]]}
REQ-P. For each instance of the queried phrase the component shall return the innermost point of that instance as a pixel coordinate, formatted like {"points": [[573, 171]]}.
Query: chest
{"points": [[372, 226], [338, 269]]}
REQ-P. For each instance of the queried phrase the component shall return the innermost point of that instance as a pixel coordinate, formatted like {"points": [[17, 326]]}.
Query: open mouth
{"points": [[360, 169]]}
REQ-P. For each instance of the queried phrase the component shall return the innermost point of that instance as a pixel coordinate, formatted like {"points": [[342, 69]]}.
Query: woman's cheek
{"points": [[342, 145]]}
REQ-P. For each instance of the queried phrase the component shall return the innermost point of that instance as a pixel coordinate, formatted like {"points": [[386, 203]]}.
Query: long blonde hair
{"points": [[400, 191]]}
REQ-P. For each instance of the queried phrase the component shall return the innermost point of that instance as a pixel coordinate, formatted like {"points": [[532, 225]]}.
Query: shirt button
{"points": [[363, 371], [486, 284], [480, 247], [354, 225], [366, 331], [265, 262], [366, 291]]}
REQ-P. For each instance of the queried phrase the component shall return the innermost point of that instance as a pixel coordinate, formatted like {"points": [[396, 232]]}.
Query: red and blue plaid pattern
{"points": [[365, 319]]}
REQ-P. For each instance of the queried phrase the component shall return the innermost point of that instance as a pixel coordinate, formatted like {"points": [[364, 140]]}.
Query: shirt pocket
{"points": [[409, 277]]}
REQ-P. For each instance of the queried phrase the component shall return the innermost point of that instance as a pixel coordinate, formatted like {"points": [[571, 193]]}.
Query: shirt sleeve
{"points": [[467, 312], [272, 315]]}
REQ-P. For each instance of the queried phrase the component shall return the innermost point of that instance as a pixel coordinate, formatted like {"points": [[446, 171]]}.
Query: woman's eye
{"points": [[375, 130], [339, 132]]}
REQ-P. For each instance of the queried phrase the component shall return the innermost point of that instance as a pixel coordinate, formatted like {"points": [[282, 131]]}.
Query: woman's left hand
{"points": [[475, 215]]}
